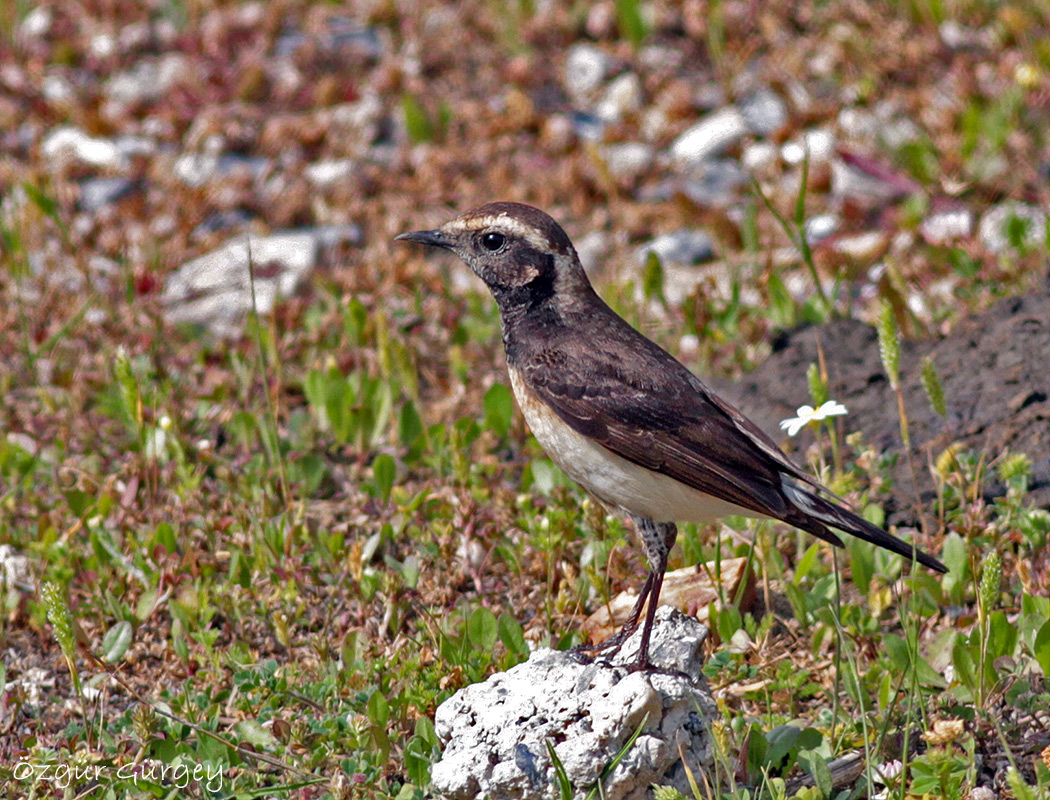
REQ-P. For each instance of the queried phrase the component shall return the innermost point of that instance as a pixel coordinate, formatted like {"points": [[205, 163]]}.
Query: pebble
{"points": [[711, 136], [96, 193], [678, 247], [67, 143], [759, 155], [325, 173], [585, 68], [819, 143], [198, 169], [495, 735], [215, 290], [820, 227], [996, 224], [714, 182], [942, 227], [621, 97], [764, 112], [627, 161]]}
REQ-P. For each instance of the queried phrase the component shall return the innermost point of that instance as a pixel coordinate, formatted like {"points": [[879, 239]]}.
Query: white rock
{"points": [[943, 227], [711, 136], [849, 181], [764, 111], [678, 247], [820, 227], [621, 97], [56, 89], [627, 161], [495, 733], [862, 246], [995, 227], [585, 68], [593, 249], [37, 22], [71, 144], [215, 289], [758, 155], [820, 144], [14, 567], [325, 173]]}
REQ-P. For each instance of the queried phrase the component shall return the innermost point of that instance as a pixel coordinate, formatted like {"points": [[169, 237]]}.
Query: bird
{"points": [[620, 415]]}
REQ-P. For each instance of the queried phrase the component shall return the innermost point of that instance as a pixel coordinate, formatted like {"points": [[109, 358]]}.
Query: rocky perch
{"points": [[496, 734]]}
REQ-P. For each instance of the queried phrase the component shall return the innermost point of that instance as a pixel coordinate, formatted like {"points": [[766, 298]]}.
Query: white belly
{"points": [[612, 478]]}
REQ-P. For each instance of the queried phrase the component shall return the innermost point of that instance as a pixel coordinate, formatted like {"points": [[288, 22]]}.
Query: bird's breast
{"points": [[613, 479]]}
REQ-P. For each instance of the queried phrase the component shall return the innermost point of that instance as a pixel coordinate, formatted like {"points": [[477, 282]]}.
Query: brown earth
{"points": [[995, 368]]}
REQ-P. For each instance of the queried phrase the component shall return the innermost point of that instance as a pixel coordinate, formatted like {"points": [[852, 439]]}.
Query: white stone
{"points": [[621, 97], [495, 733], [68, 143], [821, 227], [678, 247], [711, 136], [765, 112], [585, 68], [325, 173], [627, 161], [758, 155], [215, 289], [819, 143], [995, 225], [37, 22], [943, 227]]}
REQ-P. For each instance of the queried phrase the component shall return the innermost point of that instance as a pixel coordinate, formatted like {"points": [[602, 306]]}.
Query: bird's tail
{"points": [[814, 514]]}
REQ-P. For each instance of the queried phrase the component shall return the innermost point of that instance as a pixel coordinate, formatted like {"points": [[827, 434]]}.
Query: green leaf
{"points": [[499, 409], [116, 641], [164, 536], [417, 123], [378, 709], [482, 629], [410, 426], [512, 635], [1002, 636], [1041, 648], [417, 761], [653, 278], [816, 765], [630, 21], [897, 652], [384, 470], [251, 731], [964, 663], [564, 786]]}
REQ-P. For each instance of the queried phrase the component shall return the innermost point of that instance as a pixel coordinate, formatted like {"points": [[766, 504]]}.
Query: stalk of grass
{"points": [[796, 232], [270, 429], [987, 597], [889, 353]]}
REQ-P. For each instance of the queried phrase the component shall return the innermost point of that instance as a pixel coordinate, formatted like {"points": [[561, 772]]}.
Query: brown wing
{"points": [[651, 410]]}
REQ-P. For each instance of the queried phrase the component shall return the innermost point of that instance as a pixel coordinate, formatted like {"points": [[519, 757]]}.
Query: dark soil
{"points": [[995, 368]]}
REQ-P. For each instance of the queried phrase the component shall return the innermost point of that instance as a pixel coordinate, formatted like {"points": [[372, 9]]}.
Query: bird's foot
{"points": [[586, 653]]}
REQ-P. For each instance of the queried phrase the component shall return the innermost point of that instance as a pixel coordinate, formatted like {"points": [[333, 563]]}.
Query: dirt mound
{"points": [[995, 368]]}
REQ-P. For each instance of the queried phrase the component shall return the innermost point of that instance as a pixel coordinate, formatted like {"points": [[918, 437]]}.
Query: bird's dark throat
{"points": [[518, 298]]}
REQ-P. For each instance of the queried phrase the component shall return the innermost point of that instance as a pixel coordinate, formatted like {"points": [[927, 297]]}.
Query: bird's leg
{"points": [[657, 540], [614, 642]]}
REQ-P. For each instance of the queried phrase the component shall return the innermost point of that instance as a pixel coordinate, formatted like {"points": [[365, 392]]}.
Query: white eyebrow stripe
{"points": [[501, 223]]}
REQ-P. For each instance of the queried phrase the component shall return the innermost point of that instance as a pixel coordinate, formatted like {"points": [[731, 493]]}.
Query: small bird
{"points": [[620, 415]]}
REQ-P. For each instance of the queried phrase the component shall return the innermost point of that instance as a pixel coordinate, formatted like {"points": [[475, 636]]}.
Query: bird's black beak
{"points": [[434, 238]]}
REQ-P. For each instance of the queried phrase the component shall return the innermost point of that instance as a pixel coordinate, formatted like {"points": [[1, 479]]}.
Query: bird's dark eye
{"points": [[493, 241]]}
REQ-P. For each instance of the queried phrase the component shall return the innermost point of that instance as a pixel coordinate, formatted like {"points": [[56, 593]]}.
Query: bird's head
{"points": [[521, 254]]}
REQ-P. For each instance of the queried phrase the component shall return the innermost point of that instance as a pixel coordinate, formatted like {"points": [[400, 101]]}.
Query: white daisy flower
{"points": [[808, 414]]}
